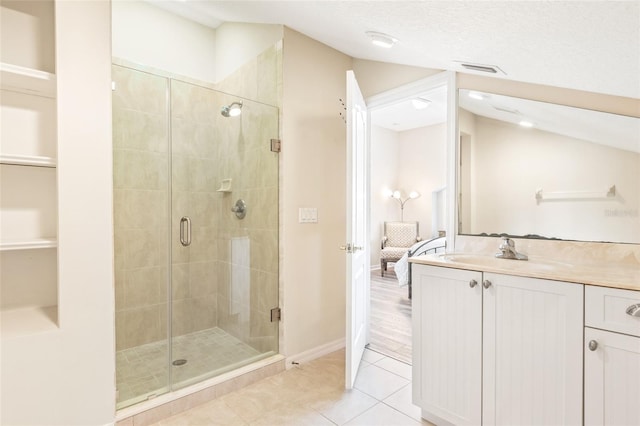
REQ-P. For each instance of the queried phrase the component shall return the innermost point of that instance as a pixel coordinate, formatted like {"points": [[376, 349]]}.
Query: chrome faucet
{"points": [[508, 250]]}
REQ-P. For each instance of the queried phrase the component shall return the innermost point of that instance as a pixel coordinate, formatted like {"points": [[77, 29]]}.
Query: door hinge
{"points": [[276, 314], [276, 145]]}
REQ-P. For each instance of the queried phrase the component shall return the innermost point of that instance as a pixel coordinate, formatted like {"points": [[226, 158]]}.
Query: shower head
{"points": [[232, 110]]}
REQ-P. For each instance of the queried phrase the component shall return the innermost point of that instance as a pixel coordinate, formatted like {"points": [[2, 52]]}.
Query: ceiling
{"points": [[592, 46], [404, 115], [585, 45]]}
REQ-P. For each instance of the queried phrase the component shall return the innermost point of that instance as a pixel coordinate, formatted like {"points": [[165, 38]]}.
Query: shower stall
{"points": [[196, 232]]}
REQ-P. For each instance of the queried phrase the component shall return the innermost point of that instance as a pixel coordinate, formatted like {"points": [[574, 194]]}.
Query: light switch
{"points": [[308, 215]]}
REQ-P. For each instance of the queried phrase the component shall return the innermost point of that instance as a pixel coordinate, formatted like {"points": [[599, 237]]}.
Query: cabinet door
{"points": [[532, 353], [447, 343], [611, 378]]}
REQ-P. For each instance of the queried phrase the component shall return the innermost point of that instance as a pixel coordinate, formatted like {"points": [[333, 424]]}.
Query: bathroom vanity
{"points": [[499, 341]]}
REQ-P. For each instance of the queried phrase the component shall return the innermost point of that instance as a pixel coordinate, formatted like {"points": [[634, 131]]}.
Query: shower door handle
{"points": [[185, 231]]}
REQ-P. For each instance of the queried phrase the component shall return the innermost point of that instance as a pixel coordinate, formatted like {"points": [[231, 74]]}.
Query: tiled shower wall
{"points": [[209, 286], [141, 200]]}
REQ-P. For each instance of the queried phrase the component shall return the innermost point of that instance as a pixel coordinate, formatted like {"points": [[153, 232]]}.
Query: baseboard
{"points": [[314, 353]]}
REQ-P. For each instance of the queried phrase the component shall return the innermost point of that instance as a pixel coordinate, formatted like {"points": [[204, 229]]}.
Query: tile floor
{"points": [[143, 370], [313, 394]]}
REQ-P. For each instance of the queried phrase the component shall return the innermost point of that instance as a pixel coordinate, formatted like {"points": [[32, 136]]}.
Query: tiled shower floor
{"points": [[142, 371]]}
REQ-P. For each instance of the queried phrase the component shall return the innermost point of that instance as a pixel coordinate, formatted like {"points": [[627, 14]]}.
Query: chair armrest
{"points": [[383, 242]]}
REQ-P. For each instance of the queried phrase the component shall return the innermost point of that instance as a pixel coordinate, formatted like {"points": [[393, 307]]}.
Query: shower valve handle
{"points": [[240, 209]]}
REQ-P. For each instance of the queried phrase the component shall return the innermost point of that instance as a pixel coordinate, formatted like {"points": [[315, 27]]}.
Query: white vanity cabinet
{"points": [[447, 343], [496, 349], [612, 357]]}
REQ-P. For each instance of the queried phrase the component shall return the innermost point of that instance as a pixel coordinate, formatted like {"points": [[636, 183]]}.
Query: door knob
{"points": [[593, 345], [473, 283], [486, 283], [349, 248]]}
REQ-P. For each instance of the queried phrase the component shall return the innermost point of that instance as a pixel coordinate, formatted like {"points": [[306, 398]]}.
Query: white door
{"points": [[611, 378], [356, 249]]}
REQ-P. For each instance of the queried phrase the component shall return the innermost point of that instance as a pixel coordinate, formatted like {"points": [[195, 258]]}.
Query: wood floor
{"points": [[390, 332]]}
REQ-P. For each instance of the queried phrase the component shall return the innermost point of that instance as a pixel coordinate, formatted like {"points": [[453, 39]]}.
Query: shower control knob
{"points": [[240, 209]]}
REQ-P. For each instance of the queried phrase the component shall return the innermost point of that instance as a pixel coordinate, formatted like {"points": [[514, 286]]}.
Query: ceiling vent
{"points": [[478, 68]]}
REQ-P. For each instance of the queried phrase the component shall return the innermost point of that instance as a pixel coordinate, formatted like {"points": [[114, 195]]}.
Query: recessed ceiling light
{"points": [[381, 39], [420, 103], [525, 123]]}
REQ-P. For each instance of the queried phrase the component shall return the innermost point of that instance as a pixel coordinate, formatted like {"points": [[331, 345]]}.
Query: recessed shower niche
{"points": [[194, 284]]}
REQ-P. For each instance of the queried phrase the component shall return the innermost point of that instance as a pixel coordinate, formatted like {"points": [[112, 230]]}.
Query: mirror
{"points": [[538, 170]]}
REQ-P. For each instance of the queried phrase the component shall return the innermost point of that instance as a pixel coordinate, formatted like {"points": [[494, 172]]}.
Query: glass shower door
{"points": [[224, 264], [195, 281]]}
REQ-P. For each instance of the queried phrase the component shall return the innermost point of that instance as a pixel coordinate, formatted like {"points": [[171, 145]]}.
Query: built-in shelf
{"points": [[27, 80], [31, 320], [41, 243], [225, 185], [27, 160]]}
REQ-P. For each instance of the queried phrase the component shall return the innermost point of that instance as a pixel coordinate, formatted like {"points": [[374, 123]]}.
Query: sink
{"points": [[493, 262], [473, 259]]}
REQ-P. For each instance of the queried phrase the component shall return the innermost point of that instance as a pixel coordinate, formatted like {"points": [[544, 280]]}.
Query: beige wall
{"points": [[238, 43], [423, 159], [148, 35], [376, 77], [313, 175]]}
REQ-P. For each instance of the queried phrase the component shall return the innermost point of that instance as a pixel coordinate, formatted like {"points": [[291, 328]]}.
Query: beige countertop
{"points": [[624, 276]]}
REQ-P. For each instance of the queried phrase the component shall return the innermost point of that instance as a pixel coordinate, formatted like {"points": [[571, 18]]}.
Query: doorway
{"points": [[408, 144]]}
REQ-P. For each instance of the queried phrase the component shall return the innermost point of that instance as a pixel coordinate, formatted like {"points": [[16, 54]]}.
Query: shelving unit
{"points": [[28, 160], [27, 80], [28, 169], [41, 243]]}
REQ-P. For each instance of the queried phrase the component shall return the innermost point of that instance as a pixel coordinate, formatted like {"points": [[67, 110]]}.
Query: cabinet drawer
{"points": [[606, 309]]}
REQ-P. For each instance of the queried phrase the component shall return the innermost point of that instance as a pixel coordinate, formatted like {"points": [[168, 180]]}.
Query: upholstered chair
{"points": [[398, 238]]}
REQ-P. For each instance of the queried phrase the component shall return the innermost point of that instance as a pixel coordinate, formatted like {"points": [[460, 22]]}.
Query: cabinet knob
{"points": [[486, 283], [473, 283], [593, 345], [634, 310]]}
